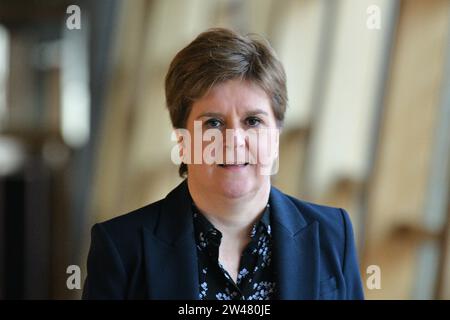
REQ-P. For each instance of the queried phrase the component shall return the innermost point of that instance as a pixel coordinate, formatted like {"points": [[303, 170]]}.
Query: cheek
{"points": [[267, 148], [201, 171]]}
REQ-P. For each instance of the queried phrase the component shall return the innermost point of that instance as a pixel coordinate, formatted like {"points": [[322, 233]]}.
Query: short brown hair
{"points": [[218, 55]]}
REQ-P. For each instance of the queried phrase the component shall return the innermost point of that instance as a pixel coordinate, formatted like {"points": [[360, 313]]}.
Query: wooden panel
{"points": [[398, 189]]}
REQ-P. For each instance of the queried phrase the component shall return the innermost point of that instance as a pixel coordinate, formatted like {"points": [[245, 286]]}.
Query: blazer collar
{"points": [[295, 250], [175, 220], [170, 251]]}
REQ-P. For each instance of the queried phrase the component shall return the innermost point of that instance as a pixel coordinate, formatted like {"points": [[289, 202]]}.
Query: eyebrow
{"points": [[220, 115]]}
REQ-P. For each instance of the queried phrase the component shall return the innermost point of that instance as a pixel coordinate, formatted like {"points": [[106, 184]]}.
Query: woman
{"points": [[225, 232]]}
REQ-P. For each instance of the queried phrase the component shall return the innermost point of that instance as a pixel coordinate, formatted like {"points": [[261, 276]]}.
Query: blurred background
{"points": [[85, 136]]}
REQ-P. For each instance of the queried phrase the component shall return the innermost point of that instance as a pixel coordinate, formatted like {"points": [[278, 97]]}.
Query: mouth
{"points": [[231, 166]]}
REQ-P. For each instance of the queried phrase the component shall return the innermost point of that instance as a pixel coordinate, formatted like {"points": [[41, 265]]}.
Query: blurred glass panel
{"points": [[75, 87], [4, 63]]}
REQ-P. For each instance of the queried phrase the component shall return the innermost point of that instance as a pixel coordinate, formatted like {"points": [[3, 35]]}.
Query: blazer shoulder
{"points": [[333, 221], [133, 221], [337, 243], [335, 230]]}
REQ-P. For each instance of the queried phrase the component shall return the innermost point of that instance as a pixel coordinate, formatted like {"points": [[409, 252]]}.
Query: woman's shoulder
{"points": [[334, 220], [133, 221], [319, 211]]}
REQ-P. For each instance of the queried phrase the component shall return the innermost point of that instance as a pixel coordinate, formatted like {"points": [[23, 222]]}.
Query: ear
{"points": [[180, 143], [183, 139]]}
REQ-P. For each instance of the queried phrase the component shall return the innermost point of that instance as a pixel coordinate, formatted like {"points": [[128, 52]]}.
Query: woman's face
{"points": [[239, 116]]}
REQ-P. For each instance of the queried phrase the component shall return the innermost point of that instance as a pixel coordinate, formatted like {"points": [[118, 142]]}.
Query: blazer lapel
{"points": [[170, 251], [295, 250]]}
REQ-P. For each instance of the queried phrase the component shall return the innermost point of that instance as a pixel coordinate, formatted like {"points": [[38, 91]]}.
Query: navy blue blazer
{"points": [[150, 253]]}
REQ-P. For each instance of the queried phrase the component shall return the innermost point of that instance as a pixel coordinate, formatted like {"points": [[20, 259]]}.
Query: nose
{"points": [[235, 138], [239, 137], [235, 142]]}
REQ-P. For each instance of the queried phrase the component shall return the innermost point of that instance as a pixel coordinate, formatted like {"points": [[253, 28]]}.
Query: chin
{"points": [[236, 189]]}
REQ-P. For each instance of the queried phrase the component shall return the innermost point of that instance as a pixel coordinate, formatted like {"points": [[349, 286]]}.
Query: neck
{"points": [[232, 216]]}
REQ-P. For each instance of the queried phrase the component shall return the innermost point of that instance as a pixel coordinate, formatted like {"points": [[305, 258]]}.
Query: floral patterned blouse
{"points": [[255, 277]]}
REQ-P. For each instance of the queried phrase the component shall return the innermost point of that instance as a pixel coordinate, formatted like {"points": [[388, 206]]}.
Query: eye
{"points": [[213, 123], [253, 121]]}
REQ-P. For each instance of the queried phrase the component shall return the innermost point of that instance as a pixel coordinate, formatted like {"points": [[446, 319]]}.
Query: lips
{"points": [[234, 165]]}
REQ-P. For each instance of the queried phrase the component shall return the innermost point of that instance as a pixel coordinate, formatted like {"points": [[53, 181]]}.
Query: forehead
{"points": [[239, 95]]}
